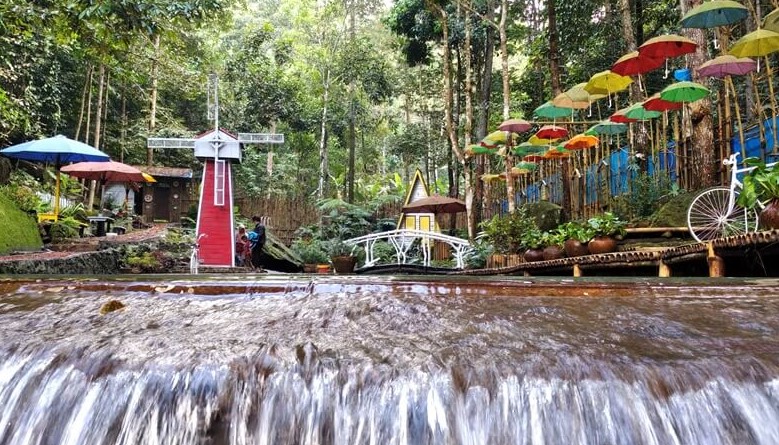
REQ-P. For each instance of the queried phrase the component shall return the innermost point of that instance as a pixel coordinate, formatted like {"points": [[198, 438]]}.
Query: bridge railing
{"points": [[402, 240]]}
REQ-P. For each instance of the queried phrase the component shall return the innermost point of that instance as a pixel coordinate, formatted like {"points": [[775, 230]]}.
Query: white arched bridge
{"points": [[404, 239]]}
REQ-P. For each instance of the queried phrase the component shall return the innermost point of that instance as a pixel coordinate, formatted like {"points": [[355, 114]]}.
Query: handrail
{"points": [[402, 239]]}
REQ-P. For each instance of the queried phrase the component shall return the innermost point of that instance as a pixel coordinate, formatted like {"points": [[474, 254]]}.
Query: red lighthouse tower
{"points": [[219, 150]]}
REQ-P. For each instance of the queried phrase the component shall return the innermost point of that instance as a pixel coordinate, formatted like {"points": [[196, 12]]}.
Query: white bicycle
{"points": [[194, 258], [714, 213]]}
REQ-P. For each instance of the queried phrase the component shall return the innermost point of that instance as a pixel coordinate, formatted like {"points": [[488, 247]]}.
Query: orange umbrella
{"points": [[581, 141], [533, 158]]}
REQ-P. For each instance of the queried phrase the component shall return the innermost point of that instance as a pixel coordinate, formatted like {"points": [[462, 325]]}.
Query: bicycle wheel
{"points": [[710, 217]]}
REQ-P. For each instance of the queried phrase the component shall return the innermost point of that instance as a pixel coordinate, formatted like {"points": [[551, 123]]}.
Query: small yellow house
{"points": [[417, 221]]}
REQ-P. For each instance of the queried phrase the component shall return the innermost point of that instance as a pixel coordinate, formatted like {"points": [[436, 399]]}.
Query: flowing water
{"points": [[286, 360]]}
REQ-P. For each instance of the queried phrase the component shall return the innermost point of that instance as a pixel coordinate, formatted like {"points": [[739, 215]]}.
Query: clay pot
{"points": [[309, 268], [344, 264], [323, 268], [532, 255], [602, 244], [769, 217], [575, 248], [553, 253]]}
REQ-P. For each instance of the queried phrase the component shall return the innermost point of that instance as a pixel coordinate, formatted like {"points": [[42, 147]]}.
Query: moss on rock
{"points": [[674, 212], [20, 230]]}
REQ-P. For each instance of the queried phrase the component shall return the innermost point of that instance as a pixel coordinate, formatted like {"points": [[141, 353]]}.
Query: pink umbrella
{"points": [[105, 172], [723, 67]]}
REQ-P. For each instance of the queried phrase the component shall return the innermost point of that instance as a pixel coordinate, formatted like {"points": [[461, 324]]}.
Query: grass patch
{"points": [[20, 231]]}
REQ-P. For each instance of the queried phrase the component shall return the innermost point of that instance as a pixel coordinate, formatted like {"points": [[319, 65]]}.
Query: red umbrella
{"points": [[656, 103], [105, 172], [515, 126], [635, 63], [551, 132], [619, 117], [665, 46]]}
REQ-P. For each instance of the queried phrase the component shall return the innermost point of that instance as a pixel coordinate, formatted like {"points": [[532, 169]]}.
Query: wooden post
{"points": [[577, 271], [716, 263], [665, 270]]}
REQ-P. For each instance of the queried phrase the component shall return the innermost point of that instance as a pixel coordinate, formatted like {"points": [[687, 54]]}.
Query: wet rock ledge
{"points": [[101, 262]]}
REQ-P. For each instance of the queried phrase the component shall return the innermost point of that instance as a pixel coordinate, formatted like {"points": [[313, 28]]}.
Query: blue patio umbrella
{"points": [[57, 150]]}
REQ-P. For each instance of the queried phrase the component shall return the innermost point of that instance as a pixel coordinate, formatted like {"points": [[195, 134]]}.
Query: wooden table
{"points": [[102, 224]]}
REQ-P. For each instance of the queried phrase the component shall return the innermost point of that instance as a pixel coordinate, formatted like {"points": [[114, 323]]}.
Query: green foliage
{"points": [[20, 231], [647, 193], [310, 251], [155, 261], [546, 214], [607, 224], [577, 230], [476, 258], [22, 190], [553, 238], [532, 238], [760, 185], [75, 211], [505, 232], [65, 228], [337, 247]]}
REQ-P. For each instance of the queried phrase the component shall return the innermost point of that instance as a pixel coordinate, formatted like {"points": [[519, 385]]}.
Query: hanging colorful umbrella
{"points": [[557, 153], [527, 165], [666, 46], [714, 13], [515, 126], [563, 100], [619, 117], [656, 103], [635, 63], [607, 81], [684, 92], [549, 111], [727, 65], [528, 148], [535, 140], [639, 113], [551, 132], [533, 158], [771, 21], [581, 141], [579, 94], [608, 127], [489, 177], [476, 149], [756, 44]]}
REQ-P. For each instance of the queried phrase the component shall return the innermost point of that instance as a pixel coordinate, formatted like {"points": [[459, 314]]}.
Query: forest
{"points": [[366, 92]]}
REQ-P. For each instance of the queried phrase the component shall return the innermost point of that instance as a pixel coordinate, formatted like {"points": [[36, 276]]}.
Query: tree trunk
{"points": [[323, 167], [450, 126], [554, 51], [123, 137], [484, 113], [704, 162], [504, 61], [98, 120], [155, 67], [87, 85], [351, 141]]}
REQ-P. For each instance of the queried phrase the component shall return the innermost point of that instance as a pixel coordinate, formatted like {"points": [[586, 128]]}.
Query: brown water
{"points": [[287, 360]]}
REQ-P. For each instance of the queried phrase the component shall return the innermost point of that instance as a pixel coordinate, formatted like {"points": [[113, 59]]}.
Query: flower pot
{"points": [[309, 268], [602, 244], [344, 264], [574, 248], [769, 217], [323, 268], [532, 255], [553, 253]]}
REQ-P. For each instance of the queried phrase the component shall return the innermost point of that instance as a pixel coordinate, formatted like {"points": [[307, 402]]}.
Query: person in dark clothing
{"points": [[258, 242]]}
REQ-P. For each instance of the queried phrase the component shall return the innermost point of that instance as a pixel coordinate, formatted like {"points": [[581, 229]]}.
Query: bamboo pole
{"points": [[729, 81], [770, 73], [760, 115]]}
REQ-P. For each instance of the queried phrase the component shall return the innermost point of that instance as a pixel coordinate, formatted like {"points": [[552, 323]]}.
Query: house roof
{"points": [[165, 172]]}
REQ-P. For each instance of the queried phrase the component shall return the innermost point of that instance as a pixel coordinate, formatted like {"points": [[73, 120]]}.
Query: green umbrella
{"points": [[684, 92], [638, 112], [608, 127], [528, 148], [480, 149], [548, 110], [524, 165], [714, 13]]}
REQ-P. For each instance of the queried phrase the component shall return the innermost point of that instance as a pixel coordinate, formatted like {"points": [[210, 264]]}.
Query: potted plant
{"points": [[577, 235], [532, 241], [606, 228], [341, 256], [553, 240], [762, 185], [311, 252]]}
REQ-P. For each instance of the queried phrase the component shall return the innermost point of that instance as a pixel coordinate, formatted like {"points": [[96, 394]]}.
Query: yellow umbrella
{"points": [[535, 140], [563, 100], [607, 81], [148, 177], [756, 44]]}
